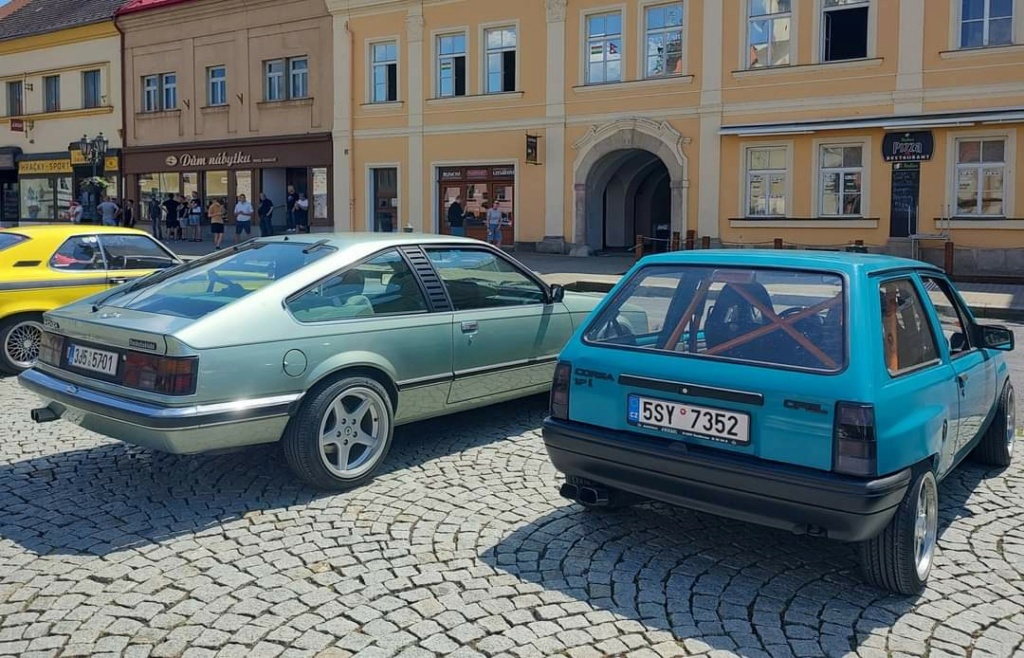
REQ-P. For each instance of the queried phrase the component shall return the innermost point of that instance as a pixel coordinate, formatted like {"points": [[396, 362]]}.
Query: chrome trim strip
{"points": [[39, 285], [155, 416], [511, 365], [694, 390]]}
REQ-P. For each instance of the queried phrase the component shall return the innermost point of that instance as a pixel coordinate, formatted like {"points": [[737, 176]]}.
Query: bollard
{"points": [[778, 243], [705, 242], [639, 246], [674, 245], [948, 264], [691, 237]]}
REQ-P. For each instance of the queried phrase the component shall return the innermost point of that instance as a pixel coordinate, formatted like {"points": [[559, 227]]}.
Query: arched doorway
{"points": [[630, 178]]}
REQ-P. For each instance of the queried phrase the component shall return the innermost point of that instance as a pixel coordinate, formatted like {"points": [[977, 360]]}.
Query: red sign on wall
{"points": [[18, 125]]}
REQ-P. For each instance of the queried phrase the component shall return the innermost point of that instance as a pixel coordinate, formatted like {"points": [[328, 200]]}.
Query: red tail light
{"points": [[50, 349], [856, 448], [161, 374], [560, 391]]}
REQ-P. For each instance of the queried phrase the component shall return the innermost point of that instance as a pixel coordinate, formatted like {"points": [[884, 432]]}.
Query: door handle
{"points": [[119, 280], [470, 327]]}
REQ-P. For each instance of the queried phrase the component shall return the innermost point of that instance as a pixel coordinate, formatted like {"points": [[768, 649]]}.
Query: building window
{"points": [[151, 93], [217, 85], [766, 181], [169, 84], [768, 33], [160, 92], [842, 175], [385, 72], [275, 80], [664, 24], [384, 182], [844, 25], [51, 93], [451, 65], [604, 48], [298, 76], [980, 175], [15, 99], [986, 23], [501, 60], [91, 96]]}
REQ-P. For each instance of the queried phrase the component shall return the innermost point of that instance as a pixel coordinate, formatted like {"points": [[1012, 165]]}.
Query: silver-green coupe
{"points": [[324, 342]]}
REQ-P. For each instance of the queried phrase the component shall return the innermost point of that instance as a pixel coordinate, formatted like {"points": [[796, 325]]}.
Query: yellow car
{"points": [[47, 266]]}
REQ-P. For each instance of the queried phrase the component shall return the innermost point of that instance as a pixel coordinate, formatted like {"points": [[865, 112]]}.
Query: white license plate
{"points": [[87, 358], [714, 424]]}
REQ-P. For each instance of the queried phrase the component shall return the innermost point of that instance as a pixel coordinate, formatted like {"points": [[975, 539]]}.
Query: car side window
{"points": [[78, 253], [906, 333], [951, 315], [383, 285], [134, 252], [479, 279]]}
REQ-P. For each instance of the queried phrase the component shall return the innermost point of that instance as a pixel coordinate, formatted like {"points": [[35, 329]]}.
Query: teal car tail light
{"points": [[50, 348], [560, 391], [161, 374], [856, 448]]}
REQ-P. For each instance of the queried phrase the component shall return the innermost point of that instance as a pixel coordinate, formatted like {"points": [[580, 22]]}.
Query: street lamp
{"points": [[93, 151]]}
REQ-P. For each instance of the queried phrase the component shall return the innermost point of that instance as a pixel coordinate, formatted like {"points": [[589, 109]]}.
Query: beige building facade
{"points": [[230, 97], [588, 122]]}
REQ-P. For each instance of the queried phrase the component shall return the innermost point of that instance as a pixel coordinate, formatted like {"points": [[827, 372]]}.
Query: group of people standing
{"points": [[110, 211], [176, 212]]}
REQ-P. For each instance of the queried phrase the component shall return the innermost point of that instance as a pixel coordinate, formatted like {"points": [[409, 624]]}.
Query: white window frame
{"points": [[955, 11], [642, 34], [216, 84], [275, 80], [957, 25], [745, 45], [151, 95], [586, 41], [819, 27], [168, 91], [485, 30], [439, 58], [298, 75], [745, 150], [371, 79], [865, 145], [1007, 166]]}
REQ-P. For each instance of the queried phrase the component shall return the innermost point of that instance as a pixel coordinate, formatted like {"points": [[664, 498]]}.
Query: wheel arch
{"points": [[326, 377]]}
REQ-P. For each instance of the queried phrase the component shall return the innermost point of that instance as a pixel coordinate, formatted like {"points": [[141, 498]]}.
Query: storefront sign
{"points": [[6, 161], [306, 151], [223, 159], [451, 174], [110, 163], [503, 172], [18, 125], [44, 167], [477, 173], [908, 146]]}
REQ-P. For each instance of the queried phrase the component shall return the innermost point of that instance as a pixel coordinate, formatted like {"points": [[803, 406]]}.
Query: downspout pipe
{"points": [[350, 127], [123, 130]]}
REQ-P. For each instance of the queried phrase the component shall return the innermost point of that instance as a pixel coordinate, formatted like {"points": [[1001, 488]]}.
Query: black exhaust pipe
{"points": [[44, 415], [570, 491], [593, 496]]}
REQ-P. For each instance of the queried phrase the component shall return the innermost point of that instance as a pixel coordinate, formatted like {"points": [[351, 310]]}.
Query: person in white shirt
{"points": [[243, 217], [75, 212]]}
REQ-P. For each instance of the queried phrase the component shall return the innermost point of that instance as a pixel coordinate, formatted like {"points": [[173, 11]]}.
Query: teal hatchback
{"points": [[822, 393]]}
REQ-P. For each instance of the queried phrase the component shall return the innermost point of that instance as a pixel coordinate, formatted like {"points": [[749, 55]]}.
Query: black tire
{"points": [[996, 445], [892, 560], [11, 362], [302, 439]]}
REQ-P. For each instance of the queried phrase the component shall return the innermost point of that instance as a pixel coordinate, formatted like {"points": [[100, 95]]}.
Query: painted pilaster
{"points": [[554, 139], [344, 200], [415, 214], [909, 95], [710, 144]]}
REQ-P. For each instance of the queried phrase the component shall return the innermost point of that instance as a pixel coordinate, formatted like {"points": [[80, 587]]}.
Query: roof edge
{"points": [[138, 6]]}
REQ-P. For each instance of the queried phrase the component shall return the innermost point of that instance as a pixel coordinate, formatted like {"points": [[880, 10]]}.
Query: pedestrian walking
{"points": [[216, 213], [457, 217], [156, 216], [302, 214], [266, 213], [243, 217], [494, 218]]}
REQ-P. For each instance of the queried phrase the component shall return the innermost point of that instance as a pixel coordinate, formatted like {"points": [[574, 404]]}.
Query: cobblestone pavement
{"points": [[461, 548]]}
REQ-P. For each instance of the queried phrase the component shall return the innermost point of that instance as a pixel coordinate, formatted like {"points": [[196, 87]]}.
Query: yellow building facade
{"points": [[588, 123]]}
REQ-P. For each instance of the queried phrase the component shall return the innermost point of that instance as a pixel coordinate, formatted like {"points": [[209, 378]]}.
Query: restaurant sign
{"points": [[908, 146]]}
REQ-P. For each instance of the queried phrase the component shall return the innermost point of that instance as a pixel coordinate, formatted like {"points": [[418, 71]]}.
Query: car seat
{"points": [[733, 316]]}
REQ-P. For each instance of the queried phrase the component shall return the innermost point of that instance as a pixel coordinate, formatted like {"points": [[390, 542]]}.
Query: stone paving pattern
{"points": [[461, 547]]}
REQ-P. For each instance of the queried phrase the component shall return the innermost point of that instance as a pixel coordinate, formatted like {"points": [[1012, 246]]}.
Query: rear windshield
{"points": [[8, 240], [768, 317], [204, 288]]}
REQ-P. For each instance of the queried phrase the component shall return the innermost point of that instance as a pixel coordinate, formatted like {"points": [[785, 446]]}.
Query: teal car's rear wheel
{"points": [[20, 338], [996, 445], [900, 558], [342, 435]]}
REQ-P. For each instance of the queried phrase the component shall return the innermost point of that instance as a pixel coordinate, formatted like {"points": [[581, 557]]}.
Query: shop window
{"points": [[842, 172], [501, 59], [906, 330], [51, 93], [15, 99], [664, 32], [845, 30], [385, 199], [216, 86], [160, 92], [37, 199], [768, 33], [278, 87], [156, 187], [604, 48], [215, 184], [766, 181], [385, 72], [91, 96], [986, 23], [451, 65], [980, 177], [243, 185]]}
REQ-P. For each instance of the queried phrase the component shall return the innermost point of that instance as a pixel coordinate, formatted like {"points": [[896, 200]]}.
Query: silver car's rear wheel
{"points": [[20, 339], [341, 435]]}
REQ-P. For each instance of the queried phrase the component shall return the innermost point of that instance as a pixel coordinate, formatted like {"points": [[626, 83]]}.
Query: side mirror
{"points": [[995, 337], [556, 294]]}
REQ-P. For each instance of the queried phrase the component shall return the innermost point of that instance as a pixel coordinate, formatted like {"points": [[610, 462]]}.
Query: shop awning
{"points": [[921, 121]]}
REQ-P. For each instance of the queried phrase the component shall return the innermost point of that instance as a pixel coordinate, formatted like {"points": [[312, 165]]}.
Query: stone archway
{"points": [[599, 146]]}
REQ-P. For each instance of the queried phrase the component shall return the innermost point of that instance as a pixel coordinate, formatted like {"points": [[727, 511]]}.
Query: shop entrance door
{"points": [[906, 194]]}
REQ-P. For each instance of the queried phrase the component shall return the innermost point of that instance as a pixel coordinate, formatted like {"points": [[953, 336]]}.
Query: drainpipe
{"points": [[123, 132], [351, 134]]}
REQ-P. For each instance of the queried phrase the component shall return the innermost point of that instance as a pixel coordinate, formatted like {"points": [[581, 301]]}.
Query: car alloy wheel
{"points": [[926, 526], [21, 343], [354, 432]]}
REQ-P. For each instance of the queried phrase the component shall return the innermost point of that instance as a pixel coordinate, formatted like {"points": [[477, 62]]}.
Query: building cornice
{"points": [[192, 12], [346, 7], [73, 35]]}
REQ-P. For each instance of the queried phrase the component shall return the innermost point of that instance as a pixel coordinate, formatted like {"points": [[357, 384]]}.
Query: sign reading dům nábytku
{"points": [[914, 146]]}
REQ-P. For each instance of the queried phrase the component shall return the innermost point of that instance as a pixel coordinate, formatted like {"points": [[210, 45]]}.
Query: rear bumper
{"points": [[800, 500], [179, 430]]}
